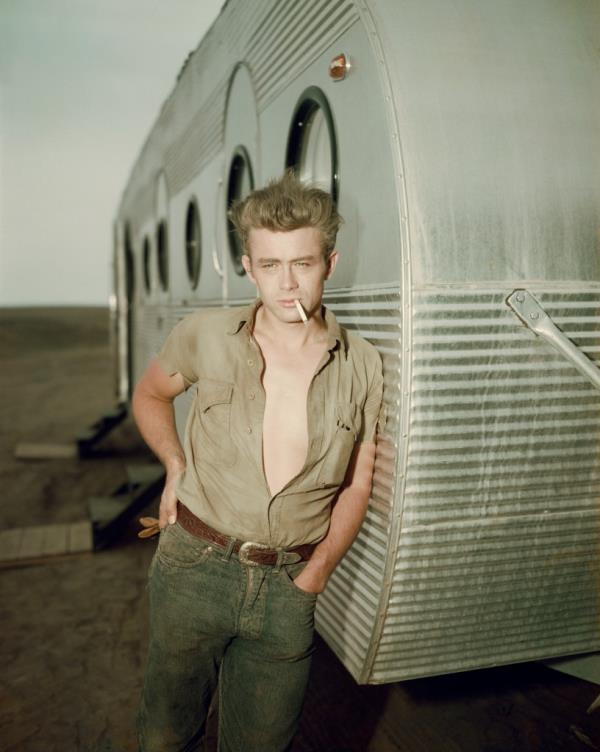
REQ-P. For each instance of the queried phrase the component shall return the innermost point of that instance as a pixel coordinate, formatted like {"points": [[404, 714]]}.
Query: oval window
{"points": [[312, 146], [239, 185], [146, 258], [192, 243], [162, 253], [129, 267]]}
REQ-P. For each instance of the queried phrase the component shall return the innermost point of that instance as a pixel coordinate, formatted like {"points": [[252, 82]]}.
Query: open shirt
{"points": [[224, 482]]}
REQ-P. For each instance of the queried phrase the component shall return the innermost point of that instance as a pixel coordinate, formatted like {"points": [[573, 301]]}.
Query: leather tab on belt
{"points": [[247, 551]]}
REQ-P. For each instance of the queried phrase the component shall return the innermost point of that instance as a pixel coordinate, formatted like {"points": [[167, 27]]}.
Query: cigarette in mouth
{"points": [[301, 310]]}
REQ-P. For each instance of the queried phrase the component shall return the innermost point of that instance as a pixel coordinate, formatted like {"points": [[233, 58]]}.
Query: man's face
{"points": [[286, 266]]}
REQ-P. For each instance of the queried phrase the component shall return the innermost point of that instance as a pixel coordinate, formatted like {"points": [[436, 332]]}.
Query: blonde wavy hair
{"points": [[286, 204]]}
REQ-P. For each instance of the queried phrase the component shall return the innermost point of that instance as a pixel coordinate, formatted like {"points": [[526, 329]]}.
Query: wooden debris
{"points": [[594, 705], [80, 536], [584, 738], [32, 451], [10, 543], [40, 542]]}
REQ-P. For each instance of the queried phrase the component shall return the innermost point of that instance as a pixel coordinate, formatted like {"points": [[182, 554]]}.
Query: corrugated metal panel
{"points": [[142, 206], [201, 93], [189, 131], [498, 552], [348, 610], [291, 36], [200, 142]]}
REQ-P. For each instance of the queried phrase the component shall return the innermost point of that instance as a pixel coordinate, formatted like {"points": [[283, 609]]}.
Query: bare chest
{"points": [[288, 378], [286, 381]]}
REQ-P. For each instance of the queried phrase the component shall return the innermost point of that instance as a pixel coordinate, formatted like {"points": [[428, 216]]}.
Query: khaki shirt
{"points": [[224, 482]]}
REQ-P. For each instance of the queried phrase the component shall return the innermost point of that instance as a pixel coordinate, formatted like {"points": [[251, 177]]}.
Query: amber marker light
{"points": [[339, 67]]}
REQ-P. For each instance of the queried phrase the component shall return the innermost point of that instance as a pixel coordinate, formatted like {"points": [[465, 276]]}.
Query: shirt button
{"points": [[251, 395], [249, 429], [250, 362]]}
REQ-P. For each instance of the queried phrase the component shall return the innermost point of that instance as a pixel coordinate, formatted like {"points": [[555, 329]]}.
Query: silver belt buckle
{"points": [[245, 550]]}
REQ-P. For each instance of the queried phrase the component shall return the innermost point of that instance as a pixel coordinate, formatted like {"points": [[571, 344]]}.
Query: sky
{"points": [[81, 83]]}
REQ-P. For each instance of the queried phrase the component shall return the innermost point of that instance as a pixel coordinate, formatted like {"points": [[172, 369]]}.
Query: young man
{"points": [[268, 491]]}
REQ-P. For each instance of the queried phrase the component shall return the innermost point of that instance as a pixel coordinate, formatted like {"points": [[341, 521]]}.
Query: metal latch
{"points": [[531, 313]]}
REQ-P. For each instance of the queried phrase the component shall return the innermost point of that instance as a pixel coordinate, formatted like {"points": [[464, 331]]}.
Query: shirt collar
{"points": [[244, 315], [243, 318]]}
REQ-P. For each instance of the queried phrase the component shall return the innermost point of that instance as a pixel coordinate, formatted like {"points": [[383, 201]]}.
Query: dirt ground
{"points": [[74, 630]]}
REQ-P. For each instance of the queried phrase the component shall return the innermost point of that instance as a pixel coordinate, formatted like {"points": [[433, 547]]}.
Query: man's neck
{"points": [[290, 335]]}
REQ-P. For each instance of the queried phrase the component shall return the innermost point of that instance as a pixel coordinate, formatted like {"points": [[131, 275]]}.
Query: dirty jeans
{"points": [[215, 620]]}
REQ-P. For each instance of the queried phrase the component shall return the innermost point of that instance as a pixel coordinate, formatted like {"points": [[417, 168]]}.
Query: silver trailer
{"points": [[462, 141]]}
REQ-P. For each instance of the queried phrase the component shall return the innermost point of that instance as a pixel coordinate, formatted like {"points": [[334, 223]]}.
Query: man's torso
{"points": [[267, 447]]}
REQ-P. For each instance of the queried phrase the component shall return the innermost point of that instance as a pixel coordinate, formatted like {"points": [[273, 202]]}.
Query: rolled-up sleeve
{"points": [[371, 417], [179, 351]]}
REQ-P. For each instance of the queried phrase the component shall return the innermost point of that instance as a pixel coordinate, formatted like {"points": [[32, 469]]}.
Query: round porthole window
{"points": [[312, 147], [192, 243], [239, 185], [163, 255], [146, 262], [129, 267]]}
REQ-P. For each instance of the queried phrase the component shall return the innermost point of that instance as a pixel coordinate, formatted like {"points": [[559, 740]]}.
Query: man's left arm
{"points": [[347, 516]]}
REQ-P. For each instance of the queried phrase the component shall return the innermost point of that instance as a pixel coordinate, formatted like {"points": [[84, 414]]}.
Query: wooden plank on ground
{"points": [[37, 451], [39, 542], [10, 543], [56, 538], [32, 542], [80, 536]]}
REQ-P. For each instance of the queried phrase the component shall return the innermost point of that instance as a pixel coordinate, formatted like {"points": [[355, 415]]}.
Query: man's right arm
{"points": [[152, 405]]}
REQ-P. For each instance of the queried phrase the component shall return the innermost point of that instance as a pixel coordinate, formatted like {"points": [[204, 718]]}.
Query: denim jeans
{"points": [[215, 620]]}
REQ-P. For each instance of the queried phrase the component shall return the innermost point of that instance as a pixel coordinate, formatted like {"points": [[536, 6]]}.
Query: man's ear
{"points": [[247, 264], [331, 264]]}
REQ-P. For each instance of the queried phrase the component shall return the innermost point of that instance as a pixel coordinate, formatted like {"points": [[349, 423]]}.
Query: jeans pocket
{"points": [[289, 572], [179, 549]]}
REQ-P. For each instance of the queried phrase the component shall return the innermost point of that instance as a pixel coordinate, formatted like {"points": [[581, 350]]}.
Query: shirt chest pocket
{"points": [[213, 417], [345, 432]]}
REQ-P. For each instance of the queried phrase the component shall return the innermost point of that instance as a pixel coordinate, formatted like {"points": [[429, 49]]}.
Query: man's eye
{"points": [[301, 263]]}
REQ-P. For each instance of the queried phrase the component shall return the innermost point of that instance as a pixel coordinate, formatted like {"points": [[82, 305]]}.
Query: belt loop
{"points": [[279, 562], [229, 550]]}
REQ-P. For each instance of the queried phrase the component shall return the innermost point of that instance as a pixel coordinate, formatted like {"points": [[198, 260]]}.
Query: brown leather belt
{"points": [[247, 551]]}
